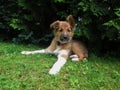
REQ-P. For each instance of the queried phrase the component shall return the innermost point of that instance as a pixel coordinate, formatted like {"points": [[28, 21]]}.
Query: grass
{"points": [[22, 72]]}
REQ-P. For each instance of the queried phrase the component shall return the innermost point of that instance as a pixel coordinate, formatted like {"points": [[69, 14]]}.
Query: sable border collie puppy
{"points": [[62, 44]]}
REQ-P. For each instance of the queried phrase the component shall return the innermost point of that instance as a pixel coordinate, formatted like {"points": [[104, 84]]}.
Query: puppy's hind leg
{"points": [[80, 50], [74, 57]]}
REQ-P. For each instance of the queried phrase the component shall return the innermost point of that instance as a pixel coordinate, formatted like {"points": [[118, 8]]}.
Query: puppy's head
{"points": [[63, 30]]}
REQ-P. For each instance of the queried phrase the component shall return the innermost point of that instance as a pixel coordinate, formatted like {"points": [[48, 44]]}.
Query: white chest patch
{"points": [[56, 51]]}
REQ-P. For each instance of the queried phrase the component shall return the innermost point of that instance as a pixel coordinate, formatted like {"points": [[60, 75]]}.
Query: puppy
{"points": [[62, 44]]}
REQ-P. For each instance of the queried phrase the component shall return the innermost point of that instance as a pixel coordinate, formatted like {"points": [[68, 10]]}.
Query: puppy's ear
{"points": [[71, 21], [55, 25]]}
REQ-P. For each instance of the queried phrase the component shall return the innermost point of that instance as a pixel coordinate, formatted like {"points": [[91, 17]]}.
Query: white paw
{"points": [[53, 72], [74, 56], [75, 59], [26, 52], [57, 66]]}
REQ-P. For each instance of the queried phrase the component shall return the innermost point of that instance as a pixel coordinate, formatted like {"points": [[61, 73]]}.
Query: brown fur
{"points": [[79, 49], [66, 29]]}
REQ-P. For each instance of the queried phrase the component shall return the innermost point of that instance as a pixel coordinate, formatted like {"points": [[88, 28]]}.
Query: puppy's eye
{"points": [[60, 30], [69, 30]]}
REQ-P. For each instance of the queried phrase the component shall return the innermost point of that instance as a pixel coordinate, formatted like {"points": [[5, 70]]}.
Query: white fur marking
{"points": [[75, 59], [63, 52], [74, 56], [56, 50], [57, 66], [32, 52], [60, 62]]}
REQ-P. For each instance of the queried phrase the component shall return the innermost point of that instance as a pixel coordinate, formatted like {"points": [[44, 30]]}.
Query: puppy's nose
{"points": [[64, 38]]}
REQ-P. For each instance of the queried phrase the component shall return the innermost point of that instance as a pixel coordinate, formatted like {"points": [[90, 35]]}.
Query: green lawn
{"points": [[22, 72]]}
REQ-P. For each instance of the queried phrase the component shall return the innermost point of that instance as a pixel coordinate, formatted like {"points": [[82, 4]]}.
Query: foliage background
{"points": [[97, 21]]}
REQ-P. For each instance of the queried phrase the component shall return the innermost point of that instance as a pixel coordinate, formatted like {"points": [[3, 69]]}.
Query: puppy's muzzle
{"points": [[64, 38]]}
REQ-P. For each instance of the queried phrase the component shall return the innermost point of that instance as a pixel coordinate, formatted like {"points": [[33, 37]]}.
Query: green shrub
{"points": [[30, 19], [97, 21]]}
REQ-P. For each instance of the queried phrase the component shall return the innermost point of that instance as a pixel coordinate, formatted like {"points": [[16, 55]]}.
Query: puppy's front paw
{"points": [[26, 52], [53, 72]]}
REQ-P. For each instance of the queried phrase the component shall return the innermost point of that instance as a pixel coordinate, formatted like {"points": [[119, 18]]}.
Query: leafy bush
{"points": [[29, 20], [97, 22]]}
